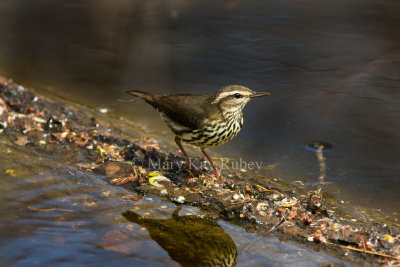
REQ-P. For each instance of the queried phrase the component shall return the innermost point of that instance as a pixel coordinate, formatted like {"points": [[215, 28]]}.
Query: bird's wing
{"points": [[187, 110]]}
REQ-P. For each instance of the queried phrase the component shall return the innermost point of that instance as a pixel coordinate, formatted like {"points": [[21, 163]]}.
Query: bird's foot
{"points": [[219, 176], [192, 169]]}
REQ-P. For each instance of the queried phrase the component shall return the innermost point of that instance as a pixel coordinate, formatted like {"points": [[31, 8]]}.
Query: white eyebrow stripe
{"points": [[224, 94]]}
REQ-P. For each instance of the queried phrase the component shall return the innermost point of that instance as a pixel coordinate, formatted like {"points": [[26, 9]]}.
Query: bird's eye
{"points": [[237, 95]]}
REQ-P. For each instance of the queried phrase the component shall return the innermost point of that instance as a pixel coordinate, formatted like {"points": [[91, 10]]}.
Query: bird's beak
{"points": [[259, 94]]}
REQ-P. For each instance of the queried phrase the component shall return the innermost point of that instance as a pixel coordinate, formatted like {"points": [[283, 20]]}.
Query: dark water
{"points": [[333, 68]]}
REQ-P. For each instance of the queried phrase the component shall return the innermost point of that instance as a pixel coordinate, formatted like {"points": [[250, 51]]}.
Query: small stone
{"points": [[164, 192], [180, 199]]}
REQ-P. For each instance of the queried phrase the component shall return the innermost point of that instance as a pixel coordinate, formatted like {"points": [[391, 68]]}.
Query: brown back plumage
{"points": [[188, 110]]}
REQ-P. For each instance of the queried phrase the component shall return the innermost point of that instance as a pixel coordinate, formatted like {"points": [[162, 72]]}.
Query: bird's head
{"points": [[231, 99]]}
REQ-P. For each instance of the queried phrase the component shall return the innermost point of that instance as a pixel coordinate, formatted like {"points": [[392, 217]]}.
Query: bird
{"points": [[202, 120], [190, 240]]}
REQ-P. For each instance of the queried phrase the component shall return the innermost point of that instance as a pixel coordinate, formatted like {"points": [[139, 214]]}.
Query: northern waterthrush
{"points": [[203, 120]]}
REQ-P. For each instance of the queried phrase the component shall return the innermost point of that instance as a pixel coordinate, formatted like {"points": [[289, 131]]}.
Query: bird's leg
{"points": [[188, 161], [217, 173], [179, 143]]}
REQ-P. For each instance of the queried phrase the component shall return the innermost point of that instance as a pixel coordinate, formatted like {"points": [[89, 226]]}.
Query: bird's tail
{"points": [[143, 95]]}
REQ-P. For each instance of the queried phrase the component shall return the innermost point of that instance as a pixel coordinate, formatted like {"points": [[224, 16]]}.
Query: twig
{"points": [[367, 251], [363, 242], [270, 190], [264, 234]]}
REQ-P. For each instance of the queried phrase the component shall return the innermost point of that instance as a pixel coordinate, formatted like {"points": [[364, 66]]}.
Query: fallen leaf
{"points": [[22, 140], [155, 180], [131, 197], [389, 238], [123, 180], [111, 169]]}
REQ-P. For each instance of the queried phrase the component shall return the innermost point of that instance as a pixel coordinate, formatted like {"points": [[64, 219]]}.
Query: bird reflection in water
{"points": [[190, 240]]}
